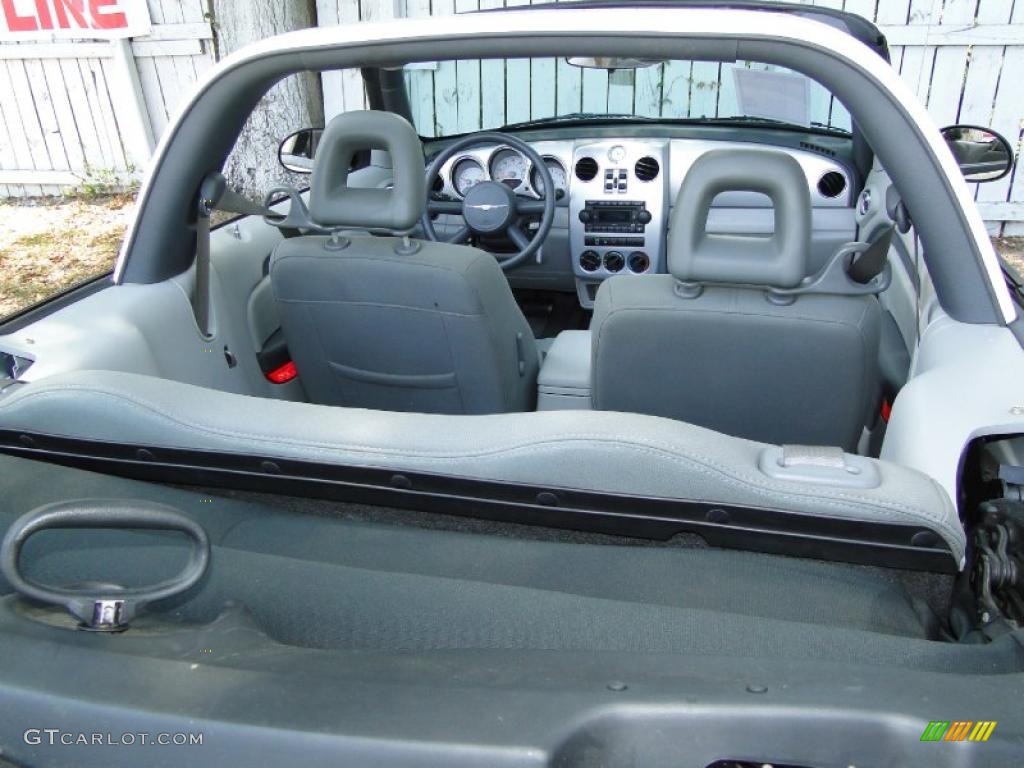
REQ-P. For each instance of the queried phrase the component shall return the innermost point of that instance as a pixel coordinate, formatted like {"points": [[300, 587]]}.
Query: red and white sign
{"points": [[49, 19]]}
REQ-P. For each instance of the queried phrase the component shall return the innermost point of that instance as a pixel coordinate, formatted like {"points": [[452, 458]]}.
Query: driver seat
{"points": [[391, 323]]}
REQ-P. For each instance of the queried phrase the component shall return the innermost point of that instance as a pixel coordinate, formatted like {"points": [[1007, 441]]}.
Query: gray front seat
{"points": [[391, 323], [716, 343]]}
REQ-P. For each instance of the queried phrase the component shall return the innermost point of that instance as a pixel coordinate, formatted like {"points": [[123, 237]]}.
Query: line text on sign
{"points": [[42, 15]]}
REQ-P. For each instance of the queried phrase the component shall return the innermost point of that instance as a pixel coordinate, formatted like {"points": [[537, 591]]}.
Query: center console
{"points": [[617, 211], [563, 382]]}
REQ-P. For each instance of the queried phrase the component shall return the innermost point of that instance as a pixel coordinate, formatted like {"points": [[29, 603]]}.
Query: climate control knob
{"points": [[614, 261], [638, 262], [590, 261]]}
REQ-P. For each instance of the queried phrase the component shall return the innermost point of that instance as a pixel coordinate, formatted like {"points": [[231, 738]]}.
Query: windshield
{"points": [[454, 97]]}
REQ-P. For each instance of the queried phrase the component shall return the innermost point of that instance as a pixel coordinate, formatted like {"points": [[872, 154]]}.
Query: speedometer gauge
{"points": [[466, 174], [508, 167], [557, 176]]}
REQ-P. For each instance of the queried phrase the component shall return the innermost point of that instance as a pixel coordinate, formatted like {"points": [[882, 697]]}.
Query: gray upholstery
{"points": [[332, 203], [393, 324], [732, 361], [695, 255], [708, 345], [436, 331], [567, 363], [612, 452]]}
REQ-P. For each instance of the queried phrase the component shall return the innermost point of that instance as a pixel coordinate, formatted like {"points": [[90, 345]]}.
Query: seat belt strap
{"points": [[872, 260], [214, 195], [201, 294]]}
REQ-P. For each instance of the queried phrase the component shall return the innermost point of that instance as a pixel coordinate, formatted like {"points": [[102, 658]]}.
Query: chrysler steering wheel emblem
{"points": [[486, 206]]}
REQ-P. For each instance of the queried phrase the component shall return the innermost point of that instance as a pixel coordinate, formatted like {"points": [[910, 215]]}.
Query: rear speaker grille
{"points": [[586, 168], [832, 184], [646, 169]]}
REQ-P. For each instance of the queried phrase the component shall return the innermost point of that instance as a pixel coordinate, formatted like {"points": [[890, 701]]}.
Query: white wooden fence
{"points": [[88, 113], [67, 113]]}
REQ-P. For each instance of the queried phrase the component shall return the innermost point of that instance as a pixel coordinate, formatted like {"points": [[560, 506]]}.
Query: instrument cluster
{"points": [[506, 166]]}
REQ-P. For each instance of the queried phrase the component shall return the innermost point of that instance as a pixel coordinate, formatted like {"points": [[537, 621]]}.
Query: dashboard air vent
{"points": [[646, 168], [586, 168], [832, 184], [816, 148]]}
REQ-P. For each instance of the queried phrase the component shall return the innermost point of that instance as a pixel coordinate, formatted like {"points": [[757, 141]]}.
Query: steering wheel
{"points": [[490, 207]]}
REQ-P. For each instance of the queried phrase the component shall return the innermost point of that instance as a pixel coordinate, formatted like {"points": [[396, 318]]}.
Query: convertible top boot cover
{"points": [[606, 452]]}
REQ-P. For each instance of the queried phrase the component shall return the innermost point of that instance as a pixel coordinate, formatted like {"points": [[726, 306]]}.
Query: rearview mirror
{"points": [[611, 62], [296, 152], [981, 153]]}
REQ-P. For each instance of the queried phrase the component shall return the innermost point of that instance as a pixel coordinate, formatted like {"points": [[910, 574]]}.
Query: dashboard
{"points": [[614, 199]]}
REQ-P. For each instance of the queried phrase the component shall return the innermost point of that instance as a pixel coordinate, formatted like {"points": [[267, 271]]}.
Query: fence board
{"points": [[99, 100], [420, 82], [647, 99], [47, 116], [156, 106], [704, 89], [864, 8], [946, 84], [893, 12], [924, 12], [1015, 226], [595, 90], [621, 83], [7, 157], [916, 69], [21, 93], [569, 98], [994, 12], [71, 76], [542, 88], [66, 128]]}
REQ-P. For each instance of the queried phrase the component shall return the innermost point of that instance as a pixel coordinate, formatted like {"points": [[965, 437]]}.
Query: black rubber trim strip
{"points": [[738, 527]]}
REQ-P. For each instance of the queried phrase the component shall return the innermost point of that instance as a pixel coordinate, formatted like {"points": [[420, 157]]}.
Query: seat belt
{"points": [[872, 260], [214, 195]]}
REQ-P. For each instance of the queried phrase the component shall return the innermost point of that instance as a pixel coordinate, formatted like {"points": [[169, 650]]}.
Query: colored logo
{"points": [[958, 730]]}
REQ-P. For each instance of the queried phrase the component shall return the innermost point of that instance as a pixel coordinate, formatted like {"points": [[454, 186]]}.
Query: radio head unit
{"points": [[614, 216]]}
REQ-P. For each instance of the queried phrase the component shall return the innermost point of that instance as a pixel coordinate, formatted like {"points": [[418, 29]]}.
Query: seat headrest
{"points": [[780, 261], [332, 203]]}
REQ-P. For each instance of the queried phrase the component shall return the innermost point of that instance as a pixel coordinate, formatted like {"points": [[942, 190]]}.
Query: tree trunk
{"points": [[295, 102]]}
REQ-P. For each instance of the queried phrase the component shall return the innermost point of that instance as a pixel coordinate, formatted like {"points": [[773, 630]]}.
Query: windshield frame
{"points": [[723, 84]]}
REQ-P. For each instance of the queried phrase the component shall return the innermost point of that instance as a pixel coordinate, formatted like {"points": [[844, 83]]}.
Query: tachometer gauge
{"points": [[466, 174], [508, 167], [557, 176]]}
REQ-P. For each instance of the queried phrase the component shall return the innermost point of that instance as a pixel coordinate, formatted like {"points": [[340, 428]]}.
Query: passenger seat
{"points": [[735, 338]]}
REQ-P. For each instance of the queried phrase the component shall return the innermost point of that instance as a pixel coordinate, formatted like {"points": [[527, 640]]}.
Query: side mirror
{"points": [[981, 153], [296, 152]]}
